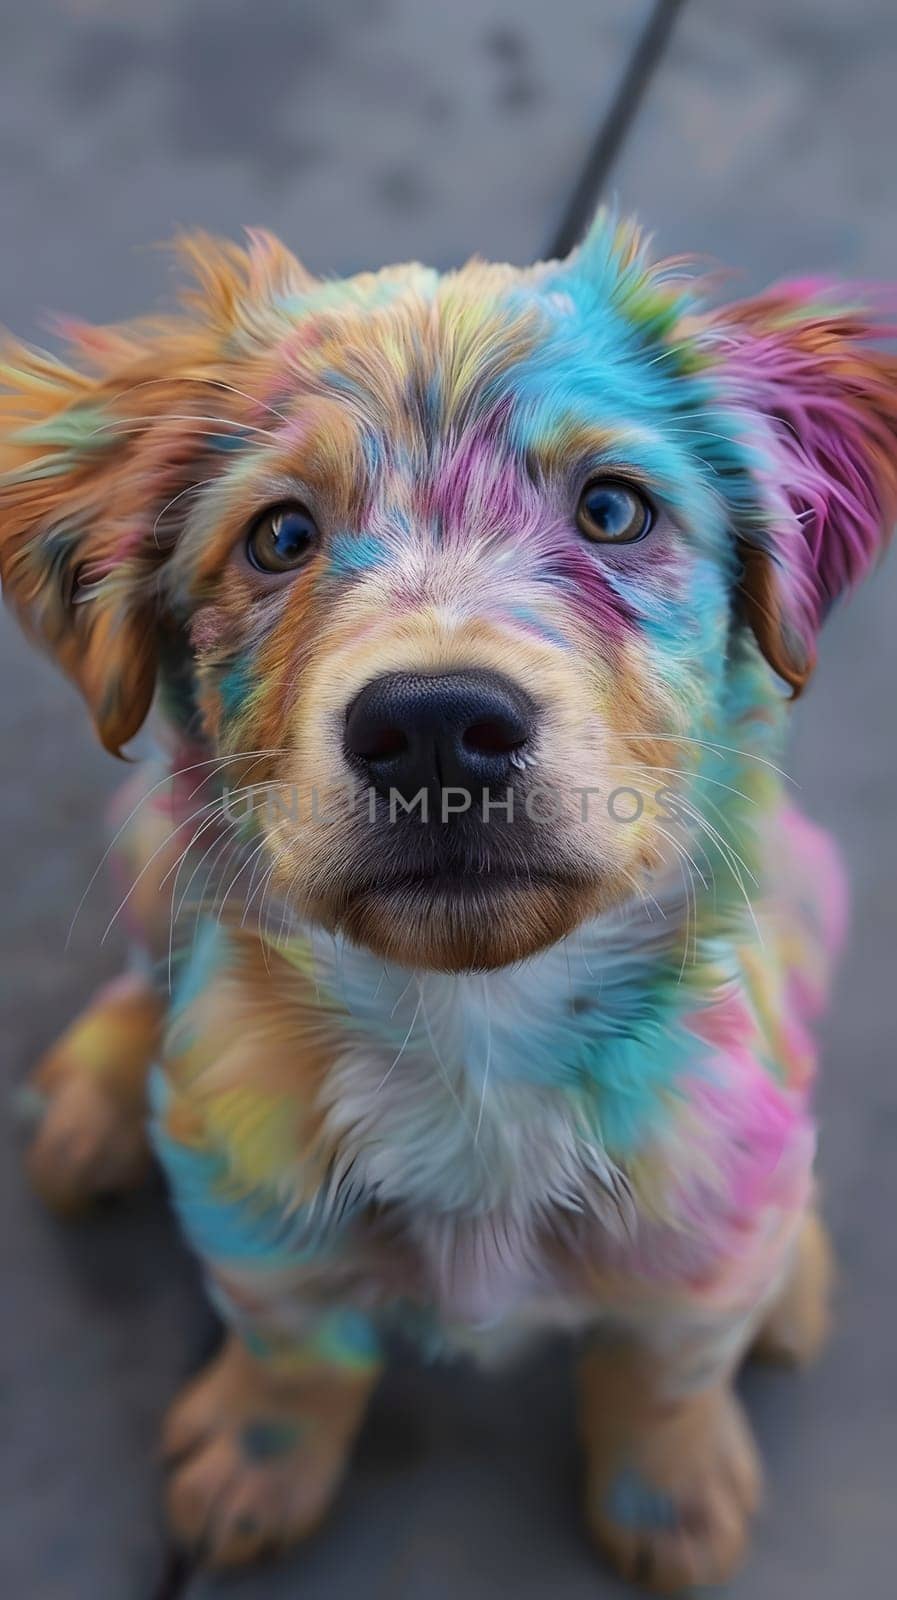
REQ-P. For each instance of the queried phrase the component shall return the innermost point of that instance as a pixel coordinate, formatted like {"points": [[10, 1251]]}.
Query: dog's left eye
{"points": [[611, 511], [282, 539]]}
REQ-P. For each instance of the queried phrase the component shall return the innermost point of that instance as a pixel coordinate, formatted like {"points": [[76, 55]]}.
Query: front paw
{"points": [[255, 1461], [87, 1144], [672, 1511]]}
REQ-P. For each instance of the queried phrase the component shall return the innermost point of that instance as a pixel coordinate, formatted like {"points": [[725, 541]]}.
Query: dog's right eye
{"points": [[282, 539]]}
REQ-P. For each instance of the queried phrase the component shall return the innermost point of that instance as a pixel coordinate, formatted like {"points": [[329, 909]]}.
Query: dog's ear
{"points": [[816, 410], [98, 458]]}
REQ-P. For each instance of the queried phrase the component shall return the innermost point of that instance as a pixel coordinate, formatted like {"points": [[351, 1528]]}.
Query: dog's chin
{"points": [[470, 923]]}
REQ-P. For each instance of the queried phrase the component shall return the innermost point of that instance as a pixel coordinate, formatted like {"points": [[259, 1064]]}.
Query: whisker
{"points": [[250, 893], [207, 907], [486, 1070], [731, 857], [705, 744], [237, 875], [192, 488], [685, 858], [286, 897], [173, 913], [680, 799], [212, 383], [218, 844], [443, 1069], [217, 814], [181, 823], [682, 772], [168, 777], [136, 424], [401, 996], [263, 885], [402, 1048]]}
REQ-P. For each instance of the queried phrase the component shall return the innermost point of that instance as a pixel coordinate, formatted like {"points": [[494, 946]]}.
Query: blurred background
{"points": [[760, 135]]}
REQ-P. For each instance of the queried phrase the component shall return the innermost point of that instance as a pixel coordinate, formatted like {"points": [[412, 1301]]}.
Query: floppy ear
{"points": [[97, 462], [816, 409]]}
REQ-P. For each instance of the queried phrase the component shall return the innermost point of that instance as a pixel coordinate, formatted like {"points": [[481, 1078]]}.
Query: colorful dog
{"points": [[471, 604]]}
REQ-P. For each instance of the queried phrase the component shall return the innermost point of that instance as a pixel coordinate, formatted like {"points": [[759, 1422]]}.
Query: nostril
{"points": [[493, 738]]}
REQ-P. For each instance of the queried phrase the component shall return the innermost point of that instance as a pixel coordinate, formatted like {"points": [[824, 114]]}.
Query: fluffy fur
{"points": [[574, 1094]]}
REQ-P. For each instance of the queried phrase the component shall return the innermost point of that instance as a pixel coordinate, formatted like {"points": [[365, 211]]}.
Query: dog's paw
{"points": [[253, 1462], [87, 1143], [675, 1512]]}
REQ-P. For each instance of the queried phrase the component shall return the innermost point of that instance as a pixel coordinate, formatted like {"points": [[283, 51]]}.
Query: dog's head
{"points": [[447, 560]]}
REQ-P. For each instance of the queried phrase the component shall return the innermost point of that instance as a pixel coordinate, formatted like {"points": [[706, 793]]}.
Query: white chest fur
{"points": [[438, 1121]]}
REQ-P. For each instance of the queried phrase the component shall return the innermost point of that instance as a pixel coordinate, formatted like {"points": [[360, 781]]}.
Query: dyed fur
{"points": [[578, 1096]]}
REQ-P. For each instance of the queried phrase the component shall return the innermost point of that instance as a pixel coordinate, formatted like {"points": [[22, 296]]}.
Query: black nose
{"points": [[448, 730]]}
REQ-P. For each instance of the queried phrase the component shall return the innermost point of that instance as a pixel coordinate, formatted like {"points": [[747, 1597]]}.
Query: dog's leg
{"points": [[673, 1475], [797, 1324], [88, 1093], [89, 1096], [257, 1447], [258, 1443]]}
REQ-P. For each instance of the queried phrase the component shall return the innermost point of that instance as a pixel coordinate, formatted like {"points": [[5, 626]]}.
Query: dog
{"points": [[471, 606]]}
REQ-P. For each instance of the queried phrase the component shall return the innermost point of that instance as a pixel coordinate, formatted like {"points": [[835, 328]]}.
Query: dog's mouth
{"points": [[463, 883], [458, 919]]}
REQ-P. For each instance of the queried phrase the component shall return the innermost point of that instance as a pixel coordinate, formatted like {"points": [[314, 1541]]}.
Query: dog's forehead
{"points": [[476, 385], [526, 359], [408, 342]]}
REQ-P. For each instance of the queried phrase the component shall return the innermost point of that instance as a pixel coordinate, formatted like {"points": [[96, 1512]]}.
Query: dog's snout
{"points": [[413, 731]]}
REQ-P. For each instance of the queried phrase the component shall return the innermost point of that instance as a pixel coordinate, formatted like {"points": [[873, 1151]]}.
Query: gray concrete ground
{"points": [[365, 130]]}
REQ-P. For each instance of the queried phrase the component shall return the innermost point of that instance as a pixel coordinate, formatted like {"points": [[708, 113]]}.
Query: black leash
{"points": [[177, 1573], [614, 127]]}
